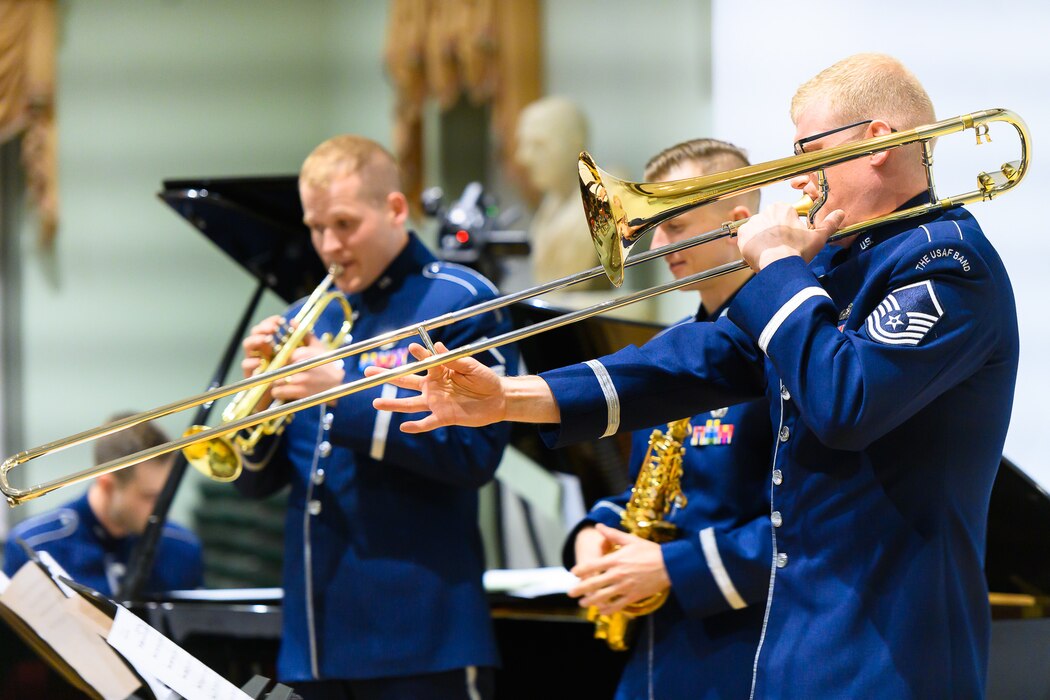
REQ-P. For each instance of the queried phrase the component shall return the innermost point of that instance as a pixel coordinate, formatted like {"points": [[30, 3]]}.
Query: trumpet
{"points": [[619, 213], [221, 458]]}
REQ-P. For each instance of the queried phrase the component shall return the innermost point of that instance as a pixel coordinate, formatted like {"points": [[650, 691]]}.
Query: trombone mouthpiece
{"points": [[335, 270], [803, 205]]}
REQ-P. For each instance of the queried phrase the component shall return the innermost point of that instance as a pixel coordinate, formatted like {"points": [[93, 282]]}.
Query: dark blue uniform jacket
{"points": [[383, 558], [73, 536], [891, 380]]}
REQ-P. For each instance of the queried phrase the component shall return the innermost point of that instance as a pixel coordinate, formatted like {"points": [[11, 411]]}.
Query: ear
{"points": [[106, 482], [878, 128], [397, 205], [739, 213]]}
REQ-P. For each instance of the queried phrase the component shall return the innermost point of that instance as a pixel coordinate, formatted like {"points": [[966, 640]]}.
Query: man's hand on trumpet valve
{"points": [[466, 392], [779, 232], [632, 570], [260, 344]]}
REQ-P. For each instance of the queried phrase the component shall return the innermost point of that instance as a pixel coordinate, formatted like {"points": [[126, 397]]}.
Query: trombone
{"points": [[619, 213]]}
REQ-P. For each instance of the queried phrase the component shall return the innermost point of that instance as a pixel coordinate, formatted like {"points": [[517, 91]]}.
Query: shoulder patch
{"points": [[906, 315], [944, 244]]}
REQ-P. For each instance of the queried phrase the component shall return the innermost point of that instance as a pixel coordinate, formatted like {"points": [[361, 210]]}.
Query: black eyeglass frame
{"points": [[801, 143]]}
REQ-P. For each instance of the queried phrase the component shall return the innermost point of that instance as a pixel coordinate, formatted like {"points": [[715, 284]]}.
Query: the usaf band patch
{"points": [[906, 315]]}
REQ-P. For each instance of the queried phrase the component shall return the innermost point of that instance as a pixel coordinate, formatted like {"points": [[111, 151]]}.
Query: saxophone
{"points": [[657, 489]]}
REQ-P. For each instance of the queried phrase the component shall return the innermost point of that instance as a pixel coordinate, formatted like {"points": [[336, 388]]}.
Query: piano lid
{"points": [[1018, 547], [257, 221]]}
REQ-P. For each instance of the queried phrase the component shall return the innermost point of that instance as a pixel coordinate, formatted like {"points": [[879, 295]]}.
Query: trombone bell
{"points": [[216, 458]]}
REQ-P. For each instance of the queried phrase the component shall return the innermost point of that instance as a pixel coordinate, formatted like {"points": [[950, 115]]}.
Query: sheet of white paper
{"points": [[529, 583], [3, 582], [150, 651], [56, 570]]}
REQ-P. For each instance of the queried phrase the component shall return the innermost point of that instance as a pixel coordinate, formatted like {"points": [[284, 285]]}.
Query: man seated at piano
{"points": [[93, 537], [383, 560], [700, 643]]}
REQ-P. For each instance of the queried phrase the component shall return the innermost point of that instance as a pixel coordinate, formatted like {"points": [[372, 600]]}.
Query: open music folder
{"points": [[99, 646]]}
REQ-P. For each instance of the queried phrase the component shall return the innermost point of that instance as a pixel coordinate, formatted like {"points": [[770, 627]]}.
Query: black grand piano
{"points": [[234, 628]]}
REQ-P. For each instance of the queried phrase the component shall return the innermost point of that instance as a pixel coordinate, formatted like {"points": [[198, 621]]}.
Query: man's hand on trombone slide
{"points": [[466, 392]]}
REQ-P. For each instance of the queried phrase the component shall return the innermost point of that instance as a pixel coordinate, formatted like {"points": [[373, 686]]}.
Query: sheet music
{"points": [[35, 598], [529, 583], [150, 651]]}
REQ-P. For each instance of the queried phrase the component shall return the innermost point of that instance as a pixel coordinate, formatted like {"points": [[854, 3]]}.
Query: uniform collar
{"points": [[702, 315], [832, 256], [91, 524], [409, 261]]}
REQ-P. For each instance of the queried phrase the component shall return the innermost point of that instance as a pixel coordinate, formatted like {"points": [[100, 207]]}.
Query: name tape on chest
{"points": [[905, 316]]}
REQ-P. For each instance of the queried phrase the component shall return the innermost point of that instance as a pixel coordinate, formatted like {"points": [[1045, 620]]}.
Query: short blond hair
{"points": [[711, 155], [349, 154], [868, 86]]}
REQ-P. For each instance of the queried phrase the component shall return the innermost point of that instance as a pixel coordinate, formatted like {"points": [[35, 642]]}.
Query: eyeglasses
{"points": [[800, 145]]}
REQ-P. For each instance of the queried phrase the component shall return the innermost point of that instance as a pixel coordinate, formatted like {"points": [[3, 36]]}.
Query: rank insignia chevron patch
{"points": [[906, 315]]}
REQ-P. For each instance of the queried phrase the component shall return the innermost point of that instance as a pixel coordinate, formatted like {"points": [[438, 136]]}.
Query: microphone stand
{"points": [[140, 564]]}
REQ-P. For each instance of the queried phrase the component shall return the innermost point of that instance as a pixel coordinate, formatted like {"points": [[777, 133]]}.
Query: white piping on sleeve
{"points": [[472, 683], [714, 562], [784, 311], [612, 400]]}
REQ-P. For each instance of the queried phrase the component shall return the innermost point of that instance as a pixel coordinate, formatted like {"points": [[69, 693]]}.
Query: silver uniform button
{"points": [[324, 449], [314, 508], [785, 433], [777, 519], [782, 560], [778, 477], [784, 393], [319, 477], [327, 422]]}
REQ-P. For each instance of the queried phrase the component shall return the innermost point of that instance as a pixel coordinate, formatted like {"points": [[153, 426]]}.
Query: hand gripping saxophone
{"points": [[657, 490]]}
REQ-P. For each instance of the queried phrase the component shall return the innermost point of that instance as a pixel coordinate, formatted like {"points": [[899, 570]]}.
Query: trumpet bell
{"points": [[216, 458]]}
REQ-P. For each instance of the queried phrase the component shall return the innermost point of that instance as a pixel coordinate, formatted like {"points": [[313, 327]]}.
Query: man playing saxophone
{"points": [[383, 559], [701, 642]]}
